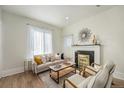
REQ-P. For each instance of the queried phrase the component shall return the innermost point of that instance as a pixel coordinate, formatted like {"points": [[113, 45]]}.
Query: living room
{"points": [[61, 37]]}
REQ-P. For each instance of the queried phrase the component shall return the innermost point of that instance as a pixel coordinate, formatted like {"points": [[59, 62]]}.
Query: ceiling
{"points": [[55, 14]]}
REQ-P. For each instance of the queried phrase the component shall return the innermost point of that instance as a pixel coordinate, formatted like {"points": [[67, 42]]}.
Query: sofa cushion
{"points": [[47, 64], [44, 65]]}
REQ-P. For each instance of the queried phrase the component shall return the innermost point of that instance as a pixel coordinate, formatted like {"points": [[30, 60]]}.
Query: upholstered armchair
{"points": [[102, 79]]}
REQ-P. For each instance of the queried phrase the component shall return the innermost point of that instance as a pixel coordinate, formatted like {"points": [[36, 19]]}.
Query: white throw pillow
{"points": [[57, 57]]}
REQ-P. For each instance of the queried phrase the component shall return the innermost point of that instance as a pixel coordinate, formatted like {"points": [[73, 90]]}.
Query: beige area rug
{"points": [[50, 83]]}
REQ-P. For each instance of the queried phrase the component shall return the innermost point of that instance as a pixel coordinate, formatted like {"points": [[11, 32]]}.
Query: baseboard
{"points": [[0, 74], [12, 71], [119, 75]]}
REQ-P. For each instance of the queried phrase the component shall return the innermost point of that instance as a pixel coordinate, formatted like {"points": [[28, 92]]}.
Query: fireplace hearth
{"points": [[84, 57]]}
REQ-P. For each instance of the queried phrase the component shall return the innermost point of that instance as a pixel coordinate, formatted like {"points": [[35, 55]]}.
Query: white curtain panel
{"points": [[30, 42], [48, 43]]}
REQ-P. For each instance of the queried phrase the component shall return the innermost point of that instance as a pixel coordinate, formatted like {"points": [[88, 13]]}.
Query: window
{"points": [[41, 41]]}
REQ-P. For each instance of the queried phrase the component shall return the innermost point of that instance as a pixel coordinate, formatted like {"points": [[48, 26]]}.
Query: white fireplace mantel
{"points": [[95, 48]]}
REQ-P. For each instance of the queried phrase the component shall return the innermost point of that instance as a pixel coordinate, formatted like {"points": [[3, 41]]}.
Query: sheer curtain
{"points": [[39, 41]]}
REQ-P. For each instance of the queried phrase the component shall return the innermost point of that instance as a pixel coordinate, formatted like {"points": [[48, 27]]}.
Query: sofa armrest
{"points": [[72, 84], [34, 66]]}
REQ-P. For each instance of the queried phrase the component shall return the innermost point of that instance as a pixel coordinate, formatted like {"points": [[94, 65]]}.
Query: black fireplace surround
{"points": [[90, 53]]}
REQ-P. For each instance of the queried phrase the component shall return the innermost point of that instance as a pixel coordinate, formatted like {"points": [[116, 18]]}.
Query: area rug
{"points": [[50, 83]]}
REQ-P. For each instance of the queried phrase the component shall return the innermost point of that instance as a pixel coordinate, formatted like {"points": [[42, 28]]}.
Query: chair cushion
{"points": [[76, 79], [85, 82]]}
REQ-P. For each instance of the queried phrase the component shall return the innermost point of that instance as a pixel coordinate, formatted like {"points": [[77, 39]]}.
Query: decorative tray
{"points": [[57, 66]]}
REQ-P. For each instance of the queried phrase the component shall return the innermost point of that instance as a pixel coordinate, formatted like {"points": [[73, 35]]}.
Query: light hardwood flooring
{"points": [[21, 80], [29, 80], [118, 83]]}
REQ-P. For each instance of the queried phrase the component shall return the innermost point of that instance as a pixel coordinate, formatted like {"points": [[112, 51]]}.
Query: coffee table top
{"points": [[61, 66]]}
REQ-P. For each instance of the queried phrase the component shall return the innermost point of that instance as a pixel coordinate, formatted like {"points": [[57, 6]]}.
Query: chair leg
{"points": [[113, 83], [83, 73]]}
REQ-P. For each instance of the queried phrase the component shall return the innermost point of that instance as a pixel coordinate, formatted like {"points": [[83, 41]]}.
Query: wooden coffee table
{"points": [[57, 72]]}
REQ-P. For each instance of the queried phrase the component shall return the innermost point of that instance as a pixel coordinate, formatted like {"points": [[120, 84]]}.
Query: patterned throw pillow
{"points": [[47, 58], [43, 59]]}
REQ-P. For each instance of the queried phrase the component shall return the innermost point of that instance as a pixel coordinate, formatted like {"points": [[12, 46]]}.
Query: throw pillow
{"points": [[52, 58], [38, 59], [57, 57], [43, 59], [47, 58]]}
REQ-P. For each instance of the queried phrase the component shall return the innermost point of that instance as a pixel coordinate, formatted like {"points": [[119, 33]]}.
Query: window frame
{"points": [[42, 30]]}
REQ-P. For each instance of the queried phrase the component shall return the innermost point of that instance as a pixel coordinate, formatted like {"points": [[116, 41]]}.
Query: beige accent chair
{"points": [[102, 79]]}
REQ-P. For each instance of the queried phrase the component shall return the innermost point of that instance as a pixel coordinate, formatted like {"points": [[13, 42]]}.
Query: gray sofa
{"points": [[45, 66]]}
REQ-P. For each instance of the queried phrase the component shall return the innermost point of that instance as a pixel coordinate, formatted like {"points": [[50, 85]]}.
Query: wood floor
{"points": [[118, 83], [29, 80], [21, 80]]}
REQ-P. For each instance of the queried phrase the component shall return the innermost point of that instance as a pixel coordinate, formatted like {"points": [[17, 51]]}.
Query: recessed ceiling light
{"points": [[66, 18]]}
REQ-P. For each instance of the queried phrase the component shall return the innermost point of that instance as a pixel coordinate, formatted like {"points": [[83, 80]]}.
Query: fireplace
{"points": [[84, 57]]}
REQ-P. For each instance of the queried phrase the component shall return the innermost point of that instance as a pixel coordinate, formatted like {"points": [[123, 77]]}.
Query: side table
{"points": [[27, 63]]}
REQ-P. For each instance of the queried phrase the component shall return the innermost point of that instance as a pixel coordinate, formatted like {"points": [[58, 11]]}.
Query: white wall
{"points": [[109, 28], [14, 41], [0, 43]]}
